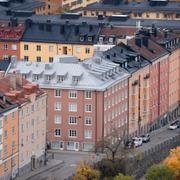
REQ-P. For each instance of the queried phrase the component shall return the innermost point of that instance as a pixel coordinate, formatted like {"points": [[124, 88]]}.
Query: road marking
{"points": [[72, 165]]}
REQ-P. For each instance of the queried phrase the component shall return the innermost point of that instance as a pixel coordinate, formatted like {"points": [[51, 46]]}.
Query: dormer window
{"points": [[36, 77], [48, 77], [111, 40], [25, 76], [60, 78], [90, 38], [81, 38], [101, 39]]}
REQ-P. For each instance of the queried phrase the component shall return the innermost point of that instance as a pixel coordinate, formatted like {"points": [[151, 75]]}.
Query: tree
{"points": [[112, 143], [122, 177], [109, 168], [86, 172], [157, 172], [173, 161]]}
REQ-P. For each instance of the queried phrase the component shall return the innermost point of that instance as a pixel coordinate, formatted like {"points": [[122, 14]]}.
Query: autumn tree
{"points": [[157, 172], [173, 161], [86, 172], [123, 177]]}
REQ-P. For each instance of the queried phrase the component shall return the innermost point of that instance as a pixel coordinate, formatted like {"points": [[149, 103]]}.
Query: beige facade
{"points": [[32, 131]]}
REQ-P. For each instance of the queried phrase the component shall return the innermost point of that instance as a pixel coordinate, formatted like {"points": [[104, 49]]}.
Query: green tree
{"points": [[157, 172], [122, 177]]}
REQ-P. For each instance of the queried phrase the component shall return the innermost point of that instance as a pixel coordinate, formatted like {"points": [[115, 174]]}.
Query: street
{"points": [[71, 159]]}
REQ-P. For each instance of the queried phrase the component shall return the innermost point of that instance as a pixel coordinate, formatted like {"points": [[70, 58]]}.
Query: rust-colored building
{"points": [[10, 35]]}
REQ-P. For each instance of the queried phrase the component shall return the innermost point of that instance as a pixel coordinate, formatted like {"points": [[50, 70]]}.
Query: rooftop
{"points": [[94, 74], [135, 7]]}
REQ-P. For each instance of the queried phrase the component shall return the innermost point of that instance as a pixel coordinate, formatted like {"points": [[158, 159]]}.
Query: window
{"points": [[38, 59], [72, 120], [57, 132], [88, 134], [26, 58], [78, 50], [35, 76], [5, 57], [14, 47], [87, 50], [0, 123], [13, 130], [90, 38], [88, 120], [72, 133], [38, 48], [57, 119], [5, 134], [88, 108], [57, 93], [5, 46], [51, 48], [72, 94], [26, 47], [57, 106], [51, 59], [88, 94], [73, 107]]}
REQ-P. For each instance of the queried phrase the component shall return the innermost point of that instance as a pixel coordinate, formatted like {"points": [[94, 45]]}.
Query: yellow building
{"points": [[144, 10], [44, 41]]}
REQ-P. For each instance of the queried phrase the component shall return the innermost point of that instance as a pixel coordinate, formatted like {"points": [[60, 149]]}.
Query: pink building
{"points": [[84, 99]]}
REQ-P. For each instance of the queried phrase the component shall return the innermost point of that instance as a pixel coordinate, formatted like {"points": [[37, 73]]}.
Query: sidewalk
{"points": [[52, 163]]}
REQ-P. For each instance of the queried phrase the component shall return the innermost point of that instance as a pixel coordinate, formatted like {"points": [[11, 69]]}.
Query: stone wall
{"points": [[138, 164]]}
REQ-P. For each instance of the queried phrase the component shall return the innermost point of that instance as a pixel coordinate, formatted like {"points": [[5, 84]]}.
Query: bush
{"points": [[109, 168], [157, 172], [85, 172], [122, 177]]}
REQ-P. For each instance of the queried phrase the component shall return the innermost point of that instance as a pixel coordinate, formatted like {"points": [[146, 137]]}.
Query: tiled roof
{"points": [[14, 87], [118, 31]]}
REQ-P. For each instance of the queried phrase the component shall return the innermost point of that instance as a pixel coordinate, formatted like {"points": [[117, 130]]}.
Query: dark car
{"points": [[145, 138]]}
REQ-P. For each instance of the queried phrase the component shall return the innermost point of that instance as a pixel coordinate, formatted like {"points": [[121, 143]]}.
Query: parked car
{"points": [[174, 125], [129, 144], [145, 138], [137, 141]]}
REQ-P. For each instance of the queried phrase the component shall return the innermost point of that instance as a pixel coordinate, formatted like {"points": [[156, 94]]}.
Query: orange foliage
{"points": [[173, 161]]}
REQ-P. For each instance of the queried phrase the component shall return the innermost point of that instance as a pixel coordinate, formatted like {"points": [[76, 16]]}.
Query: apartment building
{"points": [[85, 99], [9, 131], [143, 9], [159, 74], [42, 41], [138, 85], [10, 35], [27, 124]]}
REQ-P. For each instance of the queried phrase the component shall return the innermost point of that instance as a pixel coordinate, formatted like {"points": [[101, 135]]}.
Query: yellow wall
{"points": [[145, 15], [78, 51]]}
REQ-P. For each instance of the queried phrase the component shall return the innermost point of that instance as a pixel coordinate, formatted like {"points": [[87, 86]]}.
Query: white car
{"points": [[137, 141], [174, 126]]}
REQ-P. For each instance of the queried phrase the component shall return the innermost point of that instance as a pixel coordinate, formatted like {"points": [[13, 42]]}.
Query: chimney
{"points": [[76, 30], [138, 41], [62, 29], [145, 41], [12, 79], [4, 98], [2, 74], [90, 28], [19, 78]]}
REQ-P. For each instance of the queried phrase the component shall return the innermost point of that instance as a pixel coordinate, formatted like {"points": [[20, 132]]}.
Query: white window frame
{"points": [[88, 94], [55, 135], [70, 107], [59, 93], [55, 106], [73, 94], [14, 47], [88, 119], [72, 131], [88, 134], [57, 119], [87, 108], [71, 119]]}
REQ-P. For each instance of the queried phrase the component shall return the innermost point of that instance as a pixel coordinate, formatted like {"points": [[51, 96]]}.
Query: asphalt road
{"points": [[71, 159]]}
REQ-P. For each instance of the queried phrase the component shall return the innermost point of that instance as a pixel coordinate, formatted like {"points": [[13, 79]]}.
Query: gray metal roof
{"points": [[90, 74]]}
